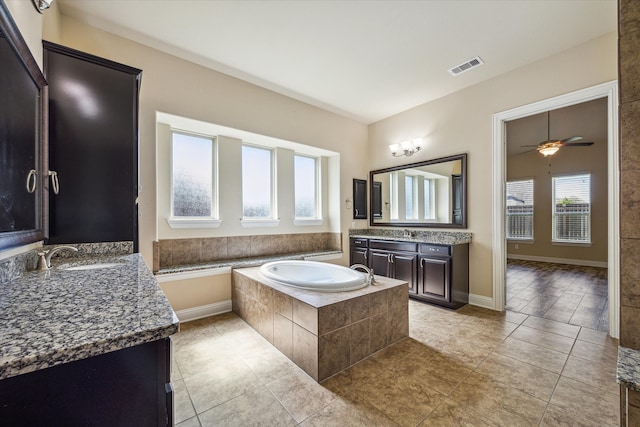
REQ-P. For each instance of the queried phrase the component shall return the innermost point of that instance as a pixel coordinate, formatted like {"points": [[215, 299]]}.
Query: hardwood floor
{"points": [[570, 294]]}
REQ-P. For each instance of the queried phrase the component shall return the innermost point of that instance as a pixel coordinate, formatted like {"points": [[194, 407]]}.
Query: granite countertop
{"points": [[243, 262], [59, 316], [417, 236], [628, 372]]}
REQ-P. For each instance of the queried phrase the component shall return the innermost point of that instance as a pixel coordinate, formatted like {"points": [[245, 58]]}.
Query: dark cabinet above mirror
{"points": [[432, 193], [23, 112]]}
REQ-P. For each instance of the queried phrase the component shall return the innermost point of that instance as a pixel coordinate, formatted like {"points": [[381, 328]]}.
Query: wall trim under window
{"points": [[255, 223], [194, 223]]}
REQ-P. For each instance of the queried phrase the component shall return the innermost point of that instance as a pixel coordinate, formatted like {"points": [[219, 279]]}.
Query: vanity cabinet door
{"points": [[358, 256], [404, 268], [435, 278], [379, 262]]}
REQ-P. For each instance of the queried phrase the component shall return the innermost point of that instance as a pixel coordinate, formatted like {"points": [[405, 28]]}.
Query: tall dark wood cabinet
{"points": [[93, 147]]}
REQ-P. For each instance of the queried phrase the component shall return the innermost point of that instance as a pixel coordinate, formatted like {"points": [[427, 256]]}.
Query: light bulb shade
{"points": [[42, 5], [417, 143], [548, 151], [394, 148]]}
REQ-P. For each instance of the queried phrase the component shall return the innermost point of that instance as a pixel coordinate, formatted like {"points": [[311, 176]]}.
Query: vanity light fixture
{"points": [[406, 148], [42, 5]]}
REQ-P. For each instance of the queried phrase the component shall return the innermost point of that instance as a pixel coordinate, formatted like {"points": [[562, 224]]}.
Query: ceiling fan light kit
{"points": [[550, 147]]}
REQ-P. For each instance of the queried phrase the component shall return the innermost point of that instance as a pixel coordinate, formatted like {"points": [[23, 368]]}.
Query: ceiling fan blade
{"points": [[577, 144], [571, 139]]}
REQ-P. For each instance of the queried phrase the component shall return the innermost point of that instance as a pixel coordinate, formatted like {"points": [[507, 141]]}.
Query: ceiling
{"points": [[588, 120], [366, 60]]}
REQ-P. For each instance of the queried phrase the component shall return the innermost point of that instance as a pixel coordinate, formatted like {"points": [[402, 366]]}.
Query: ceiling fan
{"points": [[551, 146]]}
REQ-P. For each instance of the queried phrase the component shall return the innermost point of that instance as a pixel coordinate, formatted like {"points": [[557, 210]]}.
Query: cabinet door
{"points": [[359, 199], [434, 278], [93, 147], [379, 262], [404, 268], [358, 256]]}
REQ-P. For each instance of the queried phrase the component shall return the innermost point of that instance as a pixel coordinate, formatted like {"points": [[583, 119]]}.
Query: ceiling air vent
{"points": [[472, 63]]}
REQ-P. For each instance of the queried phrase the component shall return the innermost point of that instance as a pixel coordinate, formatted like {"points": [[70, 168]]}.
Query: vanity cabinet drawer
{"points": [[359, 243], [435, 249], [393, 246]]}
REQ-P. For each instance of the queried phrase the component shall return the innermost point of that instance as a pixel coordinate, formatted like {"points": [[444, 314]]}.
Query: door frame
{"points": [[607, 90]]}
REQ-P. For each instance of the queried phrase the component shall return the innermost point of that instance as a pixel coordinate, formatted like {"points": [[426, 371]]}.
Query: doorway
{"points": [[608, 91]]}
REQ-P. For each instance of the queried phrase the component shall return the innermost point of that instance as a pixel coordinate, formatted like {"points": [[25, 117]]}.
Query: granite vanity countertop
{"points": [[52, 317], [436, 237], [628, 371]]}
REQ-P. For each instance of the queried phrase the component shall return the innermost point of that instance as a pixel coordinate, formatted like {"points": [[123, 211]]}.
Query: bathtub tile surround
{"points": [[323, 333], [172, 253], [425, 236], [59, 316]]}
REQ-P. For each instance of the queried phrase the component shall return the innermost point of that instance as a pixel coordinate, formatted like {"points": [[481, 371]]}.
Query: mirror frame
{"points": [[20, 48], [463, 168]]}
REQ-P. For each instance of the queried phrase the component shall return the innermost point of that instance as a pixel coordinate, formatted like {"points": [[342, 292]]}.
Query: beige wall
{"points": [[461, 123], [566, 161], [181, 88]]}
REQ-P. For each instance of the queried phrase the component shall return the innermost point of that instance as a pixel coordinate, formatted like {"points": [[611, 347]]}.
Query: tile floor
{"points": [[567, 293], [472, 367]]}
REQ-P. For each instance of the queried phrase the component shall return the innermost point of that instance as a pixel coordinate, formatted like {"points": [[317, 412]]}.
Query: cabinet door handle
{"points": [[365, 256], [32, 181], [422, 262], [55, 185], [391, 258], [356, 211]]}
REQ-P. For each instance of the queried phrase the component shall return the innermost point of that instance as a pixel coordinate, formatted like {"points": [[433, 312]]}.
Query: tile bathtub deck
{"points": [[467, 367]]}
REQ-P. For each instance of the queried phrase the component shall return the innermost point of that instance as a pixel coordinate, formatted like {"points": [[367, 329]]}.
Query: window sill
{"points": [[525, 241], [308, 222], [583, 245], [254, 223], [194, 223]]}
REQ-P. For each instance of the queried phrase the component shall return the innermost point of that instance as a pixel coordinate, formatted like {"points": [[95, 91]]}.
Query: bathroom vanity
{"points": [[87, 346], [435, 266]]}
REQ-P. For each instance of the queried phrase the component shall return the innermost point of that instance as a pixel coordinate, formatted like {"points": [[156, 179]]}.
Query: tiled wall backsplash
{"points": [[175, 252]]}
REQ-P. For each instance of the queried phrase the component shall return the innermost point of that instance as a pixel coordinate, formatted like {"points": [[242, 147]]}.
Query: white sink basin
{"points": [[95, 266]]}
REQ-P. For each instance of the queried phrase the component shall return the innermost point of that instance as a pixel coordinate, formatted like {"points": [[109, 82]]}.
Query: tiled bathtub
{"points": [[323, 333]]}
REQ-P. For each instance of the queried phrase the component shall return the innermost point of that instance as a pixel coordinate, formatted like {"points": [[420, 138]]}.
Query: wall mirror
{"points": [[22, 140], [432, 193]]}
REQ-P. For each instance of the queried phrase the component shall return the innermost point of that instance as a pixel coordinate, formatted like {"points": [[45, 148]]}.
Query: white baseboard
{"points": [[481, 301], [586, 263], [201, 311]]}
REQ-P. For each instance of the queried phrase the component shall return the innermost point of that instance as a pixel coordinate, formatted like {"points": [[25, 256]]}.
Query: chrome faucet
{"points": [[44, 262], [370, 281]]}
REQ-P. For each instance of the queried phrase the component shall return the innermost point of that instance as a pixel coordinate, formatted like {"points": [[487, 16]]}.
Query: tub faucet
{"points": [[44, 262], [369, 271]]}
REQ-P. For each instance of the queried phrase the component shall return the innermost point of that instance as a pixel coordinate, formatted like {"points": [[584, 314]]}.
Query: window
{"points": [[572, 209], [429, 199], [520, 210], [410, 197], [192, 176], [306, 187], [257, 182]]}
